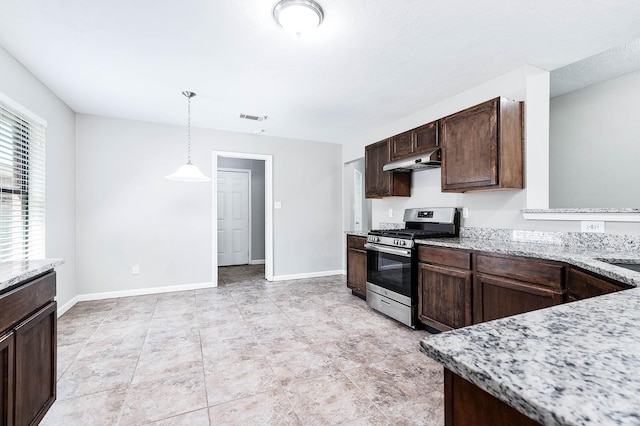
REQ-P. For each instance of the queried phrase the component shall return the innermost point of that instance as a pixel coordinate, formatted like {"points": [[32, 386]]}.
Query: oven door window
{"points": [[389, 271]]}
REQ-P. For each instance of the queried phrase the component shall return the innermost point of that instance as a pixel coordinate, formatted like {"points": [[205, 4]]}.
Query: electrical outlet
{"points": [[465, 212], [592, 226], [390, 212], [135, 270]]}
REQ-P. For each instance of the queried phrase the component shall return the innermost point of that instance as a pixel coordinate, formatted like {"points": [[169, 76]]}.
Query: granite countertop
{"points": [[357, 233], [14, 272], [588, 258], [571, 364]]}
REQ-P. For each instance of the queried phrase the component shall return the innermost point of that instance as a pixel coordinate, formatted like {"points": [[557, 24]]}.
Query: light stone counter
{"points": [[572, 364], [14, 272], [590, 258]]}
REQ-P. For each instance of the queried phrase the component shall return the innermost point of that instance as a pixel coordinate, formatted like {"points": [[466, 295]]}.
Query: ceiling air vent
{"points": [[253, 117]]}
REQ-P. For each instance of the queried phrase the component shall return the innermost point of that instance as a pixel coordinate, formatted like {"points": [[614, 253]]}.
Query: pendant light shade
{"points": [[188, 172]]}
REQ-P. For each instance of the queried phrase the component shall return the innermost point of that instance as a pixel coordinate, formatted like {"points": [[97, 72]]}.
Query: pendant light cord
{"points": [[189, 95], [189, 130]]}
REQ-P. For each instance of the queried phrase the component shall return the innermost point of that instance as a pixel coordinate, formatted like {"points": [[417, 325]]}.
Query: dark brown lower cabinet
{"points": [[498, 297], [28, 351], [444, 297], [7, 353], [357, 271], [465, 404], [35, 366], [357, 265], [582, 285]]}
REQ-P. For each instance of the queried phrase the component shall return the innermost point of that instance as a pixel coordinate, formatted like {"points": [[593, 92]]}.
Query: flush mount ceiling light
{"points": [[298, 16], [188, 172]]}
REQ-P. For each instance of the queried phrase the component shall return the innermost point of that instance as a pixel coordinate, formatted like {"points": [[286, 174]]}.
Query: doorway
{"points": [[262, 227], [234, 219]]}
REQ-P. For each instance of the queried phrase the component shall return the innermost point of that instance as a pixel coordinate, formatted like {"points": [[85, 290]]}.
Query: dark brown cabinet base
{"points": [[465, 404], [28, 351], [457, 288], [357, 265]]}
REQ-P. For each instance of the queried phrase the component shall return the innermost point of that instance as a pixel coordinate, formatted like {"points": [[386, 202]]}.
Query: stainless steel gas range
{"points": [[392, 261]]}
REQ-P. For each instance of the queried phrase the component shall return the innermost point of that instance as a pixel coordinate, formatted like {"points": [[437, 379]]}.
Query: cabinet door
{"points": [[357, 271], [469, 142], [581, 285], [402, 145], [466, 404], [380, 184], [6, 379], [497, 297], [444, 297], [425, 138], [35, 366], [377, 182]]}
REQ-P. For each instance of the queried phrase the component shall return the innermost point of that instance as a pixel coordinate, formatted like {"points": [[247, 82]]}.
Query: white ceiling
{"points": [[609, 64], [370, 62]]}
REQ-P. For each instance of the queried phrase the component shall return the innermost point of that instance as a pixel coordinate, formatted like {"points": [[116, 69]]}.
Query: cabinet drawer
{"points": [[581, 285], [444, 256], [26, 299], [355, 242], [527, 270]]}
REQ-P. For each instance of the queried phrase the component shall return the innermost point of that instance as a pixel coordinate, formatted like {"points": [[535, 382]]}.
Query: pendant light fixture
{"points": [[298, 16], [188, 172]]}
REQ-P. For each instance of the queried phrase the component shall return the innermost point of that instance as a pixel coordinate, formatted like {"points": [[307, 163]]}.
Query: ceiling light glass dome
{"points": [[298, 16]]}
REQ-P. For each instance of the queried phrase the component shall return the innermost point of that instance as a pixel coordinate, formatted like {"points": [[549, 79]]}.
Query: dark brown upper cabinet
{"points": [[415, 142], [379, 184], [482, 147]]}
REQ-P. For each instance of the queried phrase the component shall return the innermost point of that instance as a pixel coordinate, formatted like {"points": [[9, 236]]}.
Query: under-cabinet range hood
{"points": [[415, 163]]}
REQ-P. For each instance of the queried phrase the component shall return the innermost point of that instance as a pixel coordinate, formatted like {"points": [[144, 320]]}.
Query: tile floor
{"points": [[250, 352]]}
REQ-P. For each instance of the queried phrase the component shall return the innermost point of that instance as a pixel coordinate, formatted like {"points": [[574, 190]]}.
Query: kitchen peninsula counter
{"points": [[571, 364]]}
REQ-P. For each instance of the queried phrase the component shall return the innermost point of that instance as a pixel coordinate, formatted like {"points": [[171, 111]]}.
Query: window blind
{"points": [[22, 185]]}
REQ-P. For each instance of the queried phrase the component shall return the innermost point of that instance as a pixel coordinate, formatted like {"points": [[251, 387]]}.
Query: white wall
{"points": [[257, 200], [595, 145], [20, 85], [129, 214]]}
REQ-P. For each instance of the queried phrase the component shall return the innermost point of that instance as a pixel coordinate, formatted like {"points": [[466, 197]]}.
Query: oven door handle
{"points": [[388, 250]]}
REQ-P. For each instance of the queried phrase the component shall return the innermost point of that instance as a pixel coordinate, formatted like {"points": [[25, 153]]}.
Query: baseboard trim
{"points": [[256, 262], [142, 291], [306, 275], [64, 308]]}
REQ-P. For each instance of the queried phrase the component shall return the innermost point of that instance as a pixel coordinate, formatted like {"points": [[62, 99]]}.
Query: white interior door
{"points": [[233, 218]]}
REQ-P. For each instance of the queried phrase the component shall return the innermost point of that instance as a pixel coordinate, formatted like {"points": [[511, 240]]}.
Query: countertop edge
{"points": [[14, 272], [592, 262], [493, 387]]}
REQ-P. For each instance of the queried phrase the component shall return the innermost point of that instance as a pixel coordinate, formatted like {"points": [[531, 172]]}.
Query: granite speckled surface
{"points": [[572, 364], [357, 233], [594, 253], [584, 210], [14, 272]]}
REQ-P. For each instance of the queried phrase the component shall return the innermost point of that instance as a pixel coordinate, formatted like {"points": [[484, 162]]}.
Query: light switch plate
{"points": [[277, 205], [465, 212], [390, 212], [592, 226]]}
